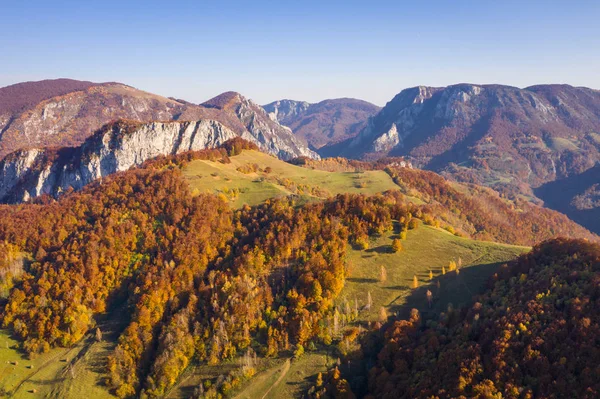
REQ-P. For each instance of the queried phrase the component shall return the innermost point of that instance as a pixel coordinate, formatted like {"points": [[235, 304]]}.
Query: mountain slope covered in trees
{"points": [[198, 282], [533, 333]]}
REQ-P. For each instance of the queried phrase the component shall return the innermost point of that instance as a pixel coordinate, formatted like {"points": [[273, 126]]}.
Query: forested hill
{"points": [[199, 282], [533, 334]]}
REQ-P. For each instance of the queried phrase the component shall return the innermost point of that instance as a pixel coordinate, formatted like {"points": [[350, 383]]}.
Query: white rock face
{"points": [[269, 134], [27, 174], [387, 140]]}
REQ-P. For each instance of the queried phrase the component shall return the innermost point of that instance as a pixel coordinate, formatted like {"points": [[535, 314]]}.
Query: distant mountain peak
{"points": [[324, 122], [224, 101]]}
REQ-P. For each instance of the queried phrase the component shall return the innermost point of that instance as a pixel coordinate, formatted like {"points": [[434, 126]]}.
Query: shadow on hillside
{"points": [[361, 280], [382, 249], [456, 290]]}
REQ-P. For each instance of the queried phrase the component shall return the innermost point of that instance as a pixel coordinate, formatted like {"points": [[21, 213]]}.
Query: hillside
{"points": [[323, 123], [142, 284], [64, 113], [253, 177], [511, 139], [533, 333]]}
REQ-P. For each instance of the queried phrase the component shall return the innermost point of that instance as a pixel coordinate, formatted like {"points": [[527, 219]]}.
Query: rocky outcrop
{"points": [[267, 133], [64, 113], [323, 123], [117, 147], [286, 111]]}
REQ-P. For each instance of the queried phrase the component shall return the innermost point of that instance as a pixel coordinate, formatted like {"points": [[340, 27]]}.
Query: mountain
{"points": [[509, 138], [64, 113], [325, 122], [270, 135], [116, 147]]}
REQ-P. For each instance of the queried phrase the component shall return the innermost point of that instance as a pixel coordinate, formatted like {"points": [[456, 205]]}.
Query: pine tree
{"points": [[415, 283], [383, 274], [382, 314]]}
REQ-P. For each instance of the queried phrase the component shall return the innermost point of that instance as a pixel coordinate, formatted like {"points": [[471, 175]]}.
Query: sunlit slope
{"points": [[425, 248], [242, 185]]}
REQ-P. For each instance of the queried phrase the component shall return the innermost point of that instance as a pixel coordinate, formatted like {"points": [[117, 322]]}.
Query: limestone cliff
{"points": [[116, 147]]}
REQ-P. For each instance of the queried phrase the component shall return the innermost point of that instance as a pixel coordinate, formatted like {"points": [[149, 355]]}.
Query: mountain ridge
{"points": [[509, 138], [65, 112]]}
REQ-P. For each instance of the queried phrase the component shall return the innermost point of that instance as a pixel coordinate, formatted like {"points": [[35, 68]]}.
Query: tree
{"points": [[452, 266], [98, 334], [396, 245], [369, 301], [415, 283], [430, 275], [383, 316], [382, 274], [429, 297], [319, 382], [413, 224]]}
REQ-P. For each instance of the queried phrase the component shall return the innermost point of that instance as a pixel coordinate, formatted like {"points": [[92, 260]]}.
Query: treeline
{"points": [[472, 211], [482, 214]]}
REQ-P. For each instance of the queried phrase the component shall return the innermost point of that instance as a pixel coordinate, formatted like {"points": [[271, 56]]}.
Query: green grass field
{"points": [[256, 187], [70, 373]]}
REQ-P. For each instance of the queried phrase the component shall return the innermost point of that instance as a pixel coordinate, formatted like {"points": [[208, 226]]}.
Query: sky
{"points": [[303, 50]]}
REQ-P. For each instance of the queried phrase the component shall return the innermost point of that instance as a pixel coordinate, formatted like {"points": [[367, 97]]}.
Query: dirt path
{"points": [[286, 368]]}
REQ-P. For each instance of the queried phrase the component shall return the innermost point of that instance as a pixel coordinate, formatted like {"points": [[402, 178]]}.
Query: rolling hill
{"points": [[532, 333], [228, 271]]}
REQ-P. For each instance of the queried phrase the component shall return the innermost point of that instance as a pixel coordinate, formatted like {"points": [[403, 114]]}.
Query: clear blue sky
{"points": [[307, 50]]}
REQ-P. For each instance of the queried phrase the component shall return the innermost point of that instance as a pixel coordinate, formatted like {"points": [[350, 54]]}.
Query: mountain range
{"points": [[64, 113], [205, 250], [513, 140]]}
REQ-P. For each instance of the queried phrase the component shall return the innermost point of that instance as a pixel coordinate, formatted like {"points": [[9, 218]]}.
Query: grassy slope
{"points": [[75, 372], [213, 177]]}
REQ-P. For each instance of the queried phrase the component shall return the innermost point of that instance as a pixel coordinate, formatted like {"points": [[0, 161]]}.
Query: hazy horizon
{"points": [[303, 51]]}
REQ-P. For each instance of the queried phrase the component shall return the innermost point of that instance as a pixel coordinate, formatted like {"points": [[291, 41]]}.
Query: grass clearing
{"points": [[425, 249], [563, 144], [255, 187], [75, 372]]}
